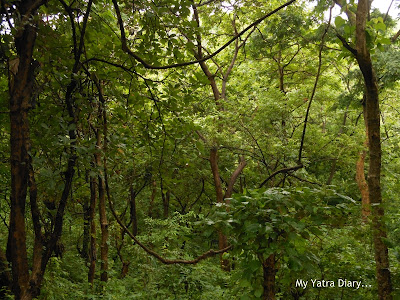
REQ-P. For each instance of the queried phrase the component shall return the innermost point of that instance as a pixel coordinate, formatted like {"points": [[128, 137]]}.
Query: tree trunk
{"points": [[5, 275], [104, 231], [269, 272], [125, 263], [363, 185], [133, 214], [222, 239], [86, 229], [165, 198], [379, 231], [102, 204], [102, 119], [360, 172], [92, 213], [21, 89], [152, 197]]}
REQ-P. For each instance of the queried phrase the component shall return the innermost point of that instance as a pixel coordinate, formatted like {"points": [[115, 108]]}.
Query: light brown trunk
{"points": [[86, 229], [379, 231], [92, 213], [363, 185], [222, 239]]}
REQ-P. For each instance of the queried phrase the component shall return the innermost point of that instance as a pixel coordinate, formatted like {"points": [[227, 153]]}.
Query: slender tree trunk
{"points": [[360, 172], [222, 239], [92, 213], [363, 185], [133, 214], [102, 180], [102, 194], [125, 263], [152, 197], [16, 248], [104, 231], [165, 198], [379, 231], [86, 229]]}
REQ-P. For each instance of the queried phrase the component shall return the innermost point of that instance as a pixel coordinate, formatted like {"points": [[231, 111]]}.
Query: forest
{"points": [[199, 149]]}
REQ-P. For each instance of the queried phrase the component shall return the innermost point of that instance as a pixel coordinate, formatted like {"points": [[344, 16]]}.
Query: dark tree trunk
{"points": [[124, 269], [27, 286], [5, 275], [269, 272], [21, 89], [125, 263], [133, 214], [152, 197], [104, 231], [165, 198], [102, 201]]}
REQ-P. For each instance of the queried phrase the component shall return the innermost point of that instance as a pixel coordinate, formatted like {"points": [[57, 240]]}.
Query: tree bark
{"points": [[152, 197], [379, 231], [222, 239], [21, 90], [102, 198], [104, 231], [165, 198], [362, 185], [5, 275], [86, 229], [269, 272], [93, 250], [372, 117], [133, 214]]}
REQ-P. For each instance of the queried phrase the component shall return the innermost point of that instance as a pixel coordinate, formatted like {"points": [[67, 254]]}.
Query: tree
{"points": [[372, 117]]}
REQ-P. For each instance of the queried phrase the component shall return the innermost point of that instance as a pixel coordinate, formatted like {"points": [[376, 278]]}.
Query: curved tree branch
{"points": [[284, 170], [201, 257], [234, 176], [321, 47], [126, 49]]}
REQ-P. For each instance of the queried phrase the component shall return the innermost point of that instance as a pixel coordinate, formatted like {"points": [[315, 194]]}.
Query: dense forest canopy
{"points": [[174, 149]]}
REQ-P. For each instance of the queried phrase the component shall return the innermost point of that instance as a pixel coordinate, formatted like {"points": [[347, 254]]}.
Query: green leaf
{"points": [[258, 292], [380, 26], [385, 41], [339, 21]]}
